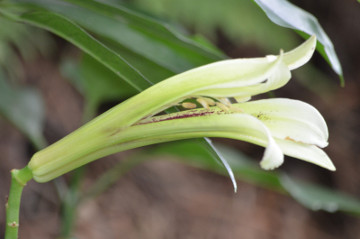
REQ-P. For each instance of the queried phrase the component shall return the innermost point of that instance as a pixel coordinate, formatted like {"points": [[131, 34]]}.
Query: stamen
{"points": [[223, 107], [205, 102], [188, 105], [225, 101]]}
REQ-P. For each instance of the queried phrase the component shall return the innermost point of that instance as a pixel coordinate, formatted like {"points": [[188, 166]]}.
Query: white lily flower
{"points": [[282, 126]]}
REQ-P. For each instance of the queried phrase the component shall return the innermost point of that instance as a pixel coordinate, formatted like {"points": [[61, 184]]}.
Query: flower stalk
{"points": [[19, 178]]}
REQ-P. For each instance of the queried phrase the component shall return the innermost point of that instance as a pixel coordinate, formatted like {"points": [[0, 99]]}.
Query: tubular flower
{"points": [[282, 126]]}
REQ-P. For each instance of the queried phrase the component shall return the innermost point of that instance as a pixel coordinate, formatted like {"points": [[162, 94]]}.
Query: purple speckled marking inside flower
{"points": [[180, 115]]}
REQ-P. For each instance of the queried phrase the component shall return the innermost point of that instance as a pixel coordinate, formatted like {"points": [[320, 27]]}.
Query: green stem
{"points": [[19, 178]]}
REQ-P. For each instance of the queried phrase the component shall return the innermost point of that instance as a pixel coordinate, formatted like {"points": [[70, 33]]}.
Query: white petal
{"points": [[218, 124], [280, 76], [245, 72], [250, 129], [308, 153], [273, 156], [230, 73], [277, 76], [219, 79], [290, 119], [300, 55]]}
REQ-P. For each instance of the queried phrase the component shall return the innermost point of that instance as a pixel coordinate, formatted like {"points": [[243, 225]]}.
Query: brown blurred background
{"points": [[164, 199]]}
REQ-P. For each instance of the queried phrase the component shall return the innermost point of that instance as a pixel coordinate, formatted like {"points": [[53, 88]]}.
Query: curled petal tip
{"points": [[301, 54]]}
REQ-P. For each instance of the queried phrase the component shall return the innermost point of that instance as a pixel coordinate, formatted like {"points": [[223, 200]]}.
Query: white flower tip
{"points": [[331, 167], [271, 164], [323, 144], [300, 55], [328, 164], [273, 156]]}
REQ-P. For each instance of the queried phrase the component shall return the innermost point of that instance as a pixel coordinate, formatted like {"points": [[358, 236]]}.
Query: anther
{"points": [[225, 101], [222, 106], [205, 102], [188, 105]]}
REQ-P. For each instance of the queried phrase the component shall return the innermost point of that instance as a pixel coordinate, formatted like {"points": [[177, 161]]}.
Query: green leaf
{"points": [[240, 21], [288, 15], [79, 37], [24, 108], [18, 43], [317, 198], [154, 41], [241, 165], [154, 72], [312, 196], [149, 35], [96, 82]]}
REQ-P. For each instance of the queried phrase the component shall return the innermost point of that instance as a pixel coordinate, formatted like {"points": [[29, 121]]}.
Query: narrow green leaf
{"points": [[137, 33], [288, 15], [224, 162], [79, 37], [240, 21], [242, 167], [96, 82], [157, 31], [153, 71], [317, 198], [312, 196], [24, 108]]}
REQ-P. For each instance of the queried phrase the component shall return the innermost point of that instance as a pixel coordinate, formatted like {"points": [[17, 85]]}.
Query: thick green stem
{"points": [[19, 178]]}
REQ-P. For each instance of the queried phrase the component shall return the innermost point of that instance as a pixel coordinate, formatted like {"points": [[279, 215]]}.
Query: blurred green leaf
{"points": [[19, 42], [312, 196], [156, 42], [96, 82], [241, 165], [240, 21], [24, 108], [154, 72], [79, 37], [319, 198], [288, 15]]}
